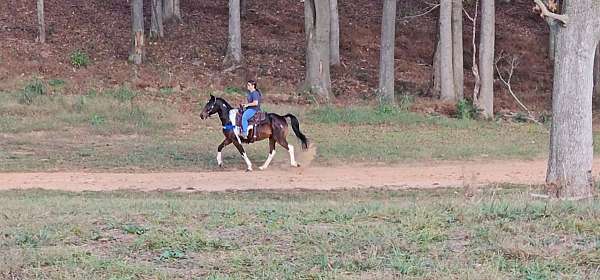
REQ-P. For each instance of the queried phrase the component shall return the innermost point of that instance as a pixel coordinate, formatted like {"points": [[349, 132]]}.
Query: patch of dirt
{"points": [[417, 175]]}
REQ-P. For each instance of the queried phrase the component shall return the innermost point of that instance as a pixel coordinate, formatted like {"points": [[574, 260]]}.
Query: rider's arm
{"points": [[253, 103]]}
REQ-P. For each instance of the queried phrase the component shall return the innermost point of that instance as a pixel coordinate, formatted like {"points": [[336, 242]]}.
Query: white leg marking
{"points": [[271, 155], [247, 161], [219, 159], [292, 158]]}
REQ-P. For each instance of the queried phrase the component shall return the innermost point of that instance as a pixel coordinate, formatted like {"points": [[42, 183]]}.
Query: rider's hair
{"points": [[253, 83]]}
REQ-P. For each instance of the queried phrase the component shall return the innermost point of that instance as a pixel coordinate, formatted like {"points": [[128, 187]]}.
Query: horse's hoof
{"points": [[249, 170], [221, 166], [262, 168]]}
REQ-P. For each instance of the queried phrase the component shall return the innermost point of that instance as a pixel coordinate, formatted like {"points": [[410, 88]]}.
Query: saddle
{"points": [[256, 120]]}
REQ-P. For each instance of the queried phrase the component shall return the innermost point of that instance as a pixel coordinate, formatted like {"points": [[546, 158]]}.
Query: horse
{"points": [[274, 128]]}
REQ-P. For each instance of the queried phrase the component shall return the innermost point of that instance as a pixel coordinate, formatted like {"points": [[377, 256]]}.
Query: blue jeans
{"points": [[249, 113]]}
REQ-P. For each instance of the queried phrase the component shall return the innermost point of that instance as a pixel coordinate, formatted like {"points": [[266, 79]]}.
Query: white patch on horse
{"points": [[247, 161], [269, 159], [219, 159], [292, 158]]}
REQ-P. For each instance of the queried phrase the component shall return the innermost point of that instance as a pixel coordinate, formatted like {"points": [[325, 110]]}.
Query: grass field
{"points": [[120, 129], [499, 233]]}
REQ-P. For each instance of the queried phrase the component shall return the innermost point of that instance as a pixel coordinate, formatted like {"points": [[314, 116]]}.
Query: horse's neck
{"points": [[224, 115]]}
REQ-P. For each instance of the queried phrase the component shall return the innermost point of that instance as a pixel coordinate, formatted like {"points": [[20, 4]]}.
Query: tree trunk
{"points": [[569, 173], [177, 10], [41, 24], [137, 28], [436, 87], [457, 49], [233, 57], [335, 33], [446, 73], [243, 8], [168, 10], [386, 62], [553, 26], [597, 71], [156, 26], [317, 25], [486, 59]]}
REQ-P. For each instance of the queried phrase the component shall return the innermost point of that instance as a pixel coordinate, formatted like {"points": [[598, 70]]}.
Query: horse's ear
{"points": [[212, 97]]}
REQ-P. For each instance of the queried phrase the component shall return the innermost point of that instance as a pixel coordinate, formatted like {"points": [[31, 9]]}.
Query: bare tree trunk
{"points": [[386, 62], [243, 8], [137, 28], [569, 173], [486, 59], [156, 26], [553, 26], [168, 10], [597, 71], [335, 33], [177, 10], [41, 24], [233, 57], [457, 49], [436, 89], [446, 73], [317, 25]]}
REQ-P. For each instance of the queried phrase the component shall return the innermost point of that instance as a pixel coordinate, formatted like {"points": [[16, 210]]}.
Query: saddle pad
{"points": [[258, 118]]}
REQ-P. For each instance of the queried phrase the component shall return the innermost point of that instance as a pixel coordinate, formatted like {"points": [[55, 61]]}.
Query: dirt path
{"points": [[447, 174]]}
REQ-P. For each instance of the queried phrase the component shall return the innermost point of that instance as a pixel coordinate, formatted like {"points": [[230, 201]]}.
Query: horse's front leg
{"points": [[225, 142], [243, 153]]}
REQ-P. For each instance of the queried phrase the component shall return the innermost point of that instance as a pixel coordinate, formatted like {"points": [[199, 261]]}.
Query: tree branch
{"points": [[421, 14], [544, 12], [513, 63]]}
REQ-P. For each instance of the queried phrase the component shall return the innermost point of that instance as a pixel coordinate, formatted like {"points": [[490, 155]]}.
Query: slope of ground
{"points": [[189, 57]]}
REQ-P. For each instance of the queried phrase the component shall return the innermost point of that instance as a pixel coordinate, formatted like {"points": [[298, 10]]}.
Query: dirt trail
{"points": [[418, 175]]}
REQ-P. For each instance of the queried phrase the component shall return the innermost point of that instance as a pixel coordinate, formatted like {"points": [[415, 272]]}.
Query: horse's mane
{"points": [[224, 102]]}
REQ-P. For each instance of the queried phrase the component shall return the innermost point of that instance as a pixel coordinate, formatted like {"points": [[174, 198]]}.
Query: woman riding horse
{"points": [[274, 128]]}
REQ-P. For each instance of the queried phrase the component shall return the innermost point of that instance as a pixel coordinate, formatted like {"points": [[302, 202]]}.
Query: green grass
{"points": [[369, 234], [119, 129]]}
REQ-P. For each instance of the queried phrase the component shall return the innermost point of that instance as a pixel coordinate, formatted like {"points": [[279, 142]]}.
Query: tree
{"points": [[445, 52], [597, 71], [553, 26], [485, 101], [168, 10], [156, 24], [569, 174], [457, 49], [41, 24], [177, 10], [335, 33], [233, 57], [171, 10], [243, 8], [386, 62], [317, 24], [436, 86], [137, 28]]}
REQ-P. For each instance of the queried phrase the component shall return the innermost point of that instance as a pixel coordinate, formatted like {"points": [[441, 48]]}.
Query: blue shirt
{"points": [[254, 96]]}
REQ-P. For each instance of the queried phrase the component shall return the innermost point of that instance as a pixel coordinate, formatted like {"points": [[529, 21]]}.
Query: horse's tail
{"points": [[296, 128]]}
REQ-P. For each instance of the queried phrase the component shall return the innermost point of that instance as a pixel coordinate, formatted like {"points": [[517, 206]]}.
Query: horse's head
{"points": [[210, 108]]}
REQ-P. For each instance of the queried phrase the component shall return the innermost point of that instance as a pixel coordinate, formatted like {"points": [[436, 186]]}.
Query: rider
{"points": [[254, 99]]}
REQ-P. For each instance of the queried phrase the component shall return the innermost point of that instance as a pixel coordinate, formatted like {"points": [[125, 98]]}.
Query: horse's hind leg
{"points": [[225, 142], [283, 142], [243, 153], [271, 153]]}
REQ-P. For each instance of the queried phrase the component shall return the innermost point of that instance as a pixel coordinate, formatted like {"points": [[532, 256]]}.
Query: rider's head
{"points": [[251, 85]]}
